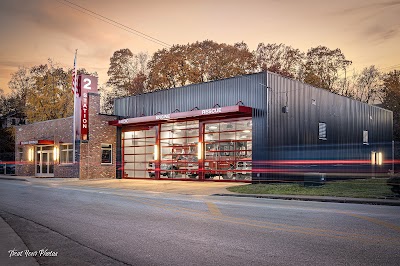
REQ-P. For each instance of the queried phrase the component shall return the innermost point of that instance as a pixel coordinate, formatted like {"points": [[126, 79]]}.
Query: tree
{"points": [[7, 144], [50, 97], [127, 76], [20, 83], [368, 86], [279, 58], [198, 62], [108, 95], [391, 99], [322, 67], [346, 85], [213, 61], [124, 69], [139, 84], [169, 68], [11, 104], [8, 104]]}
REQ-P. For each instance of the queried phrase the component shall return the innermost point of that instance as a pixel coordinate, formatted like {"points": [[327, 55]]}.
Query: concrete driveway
{"points": [[164, 186]]}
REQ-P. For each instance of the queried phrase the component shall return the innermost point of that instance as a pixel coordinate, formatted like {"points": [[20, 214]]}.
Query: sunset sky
{"points": [[367, 31]]}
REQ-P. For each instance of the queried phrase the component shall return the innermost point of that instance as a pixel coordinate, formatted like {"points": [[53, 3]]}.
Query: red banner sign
{"points": [[212, 112]]}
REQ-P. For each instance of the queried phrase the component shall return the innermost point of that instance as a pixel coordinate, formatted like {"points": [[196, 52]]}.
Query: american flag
{"points": [[74, 76]]}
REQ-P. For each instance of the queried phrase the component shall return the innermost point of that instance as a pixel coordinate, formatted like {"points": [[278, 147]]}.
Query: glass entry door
{"points": [[44, 161]]}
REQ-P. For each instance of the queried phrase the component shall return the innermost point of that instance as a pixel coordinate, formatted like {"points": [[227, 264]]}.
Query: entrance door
{"points": [[44, 161]]}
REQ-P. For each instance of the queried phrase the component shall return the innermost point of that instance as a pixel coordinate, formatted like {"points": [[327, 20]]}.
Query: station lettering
{"points": [[211, 111], [29, 142], [161, 117], [84, 116], [85, 111]]}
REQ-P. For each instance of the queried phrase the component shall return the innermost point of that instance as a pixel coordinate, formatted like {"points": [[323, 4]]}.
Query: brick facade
{"points": [[59, 131], [90, 151]]}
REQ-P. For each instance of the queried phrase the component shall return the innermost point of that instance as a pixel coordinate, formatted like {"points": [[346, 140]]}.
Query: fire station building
{"points": [[248, 128]]}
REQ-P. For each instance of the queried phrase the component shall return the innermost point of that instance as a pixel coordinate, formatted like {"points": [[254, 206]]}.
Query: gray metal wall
{"points": [[281, 136], [294, 135], [227, 92]]}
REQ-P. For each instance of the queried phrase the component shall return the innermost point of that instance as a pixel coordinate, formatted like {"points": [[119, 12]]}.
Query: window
{"points": [[21, 154], [106, 153], [66, 153], [322, 131], [365, 137]]}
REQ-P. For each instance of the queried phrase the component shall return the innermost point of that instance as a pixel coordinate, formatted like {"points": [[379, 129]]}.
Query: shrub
{"points": [[395, 183]]}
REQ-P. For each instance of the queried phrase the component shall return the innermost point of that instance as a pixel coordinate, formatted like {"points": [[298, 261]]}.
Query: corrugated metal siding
{"points": [[294, 135], [278, 135], [228, 92], [249, 89]]}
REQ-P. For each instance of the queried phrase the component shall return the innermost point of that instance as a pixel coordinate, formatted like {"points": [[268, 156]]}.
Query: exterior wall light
{"points": [[55, 153], [199, 151], [380, 158], [376, 158], [30, 154], [155, 152]]}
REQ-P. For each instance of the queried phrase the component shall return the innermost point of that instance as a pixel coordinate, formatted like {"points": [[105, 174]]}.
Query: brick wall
{"points": [[60, 131], [99, 132]]}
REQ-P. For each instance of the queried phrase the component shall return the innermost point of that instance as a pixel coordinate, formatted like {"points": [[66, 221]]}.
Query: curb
{"points": [[387, 202], [12, 178], [318, 199]]}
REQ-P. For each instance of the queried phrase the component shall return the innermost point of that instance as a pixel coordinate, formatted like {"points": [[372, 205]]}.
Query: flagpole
{"points": [[74, 85]]}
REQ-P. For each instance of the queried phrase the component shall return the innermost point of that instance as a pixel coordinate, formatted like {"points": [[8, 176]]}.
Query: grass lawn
{"points": [[361, 188]]}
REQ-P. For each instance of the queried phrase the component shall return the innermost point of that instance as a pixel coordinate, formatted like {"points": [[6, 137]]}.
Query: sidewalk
{"points": [[11, 241], [191, 188]]}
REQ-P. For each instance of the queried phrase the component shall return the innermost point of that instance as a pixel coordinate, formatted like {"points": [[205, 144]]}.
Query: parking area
{"points": [[161, 186], [7, 168]]}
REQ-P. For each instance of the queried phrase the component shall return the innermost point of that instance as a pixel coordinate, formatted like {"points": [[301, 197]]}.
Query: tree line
{"points": [[40, 93], [44, 92]]}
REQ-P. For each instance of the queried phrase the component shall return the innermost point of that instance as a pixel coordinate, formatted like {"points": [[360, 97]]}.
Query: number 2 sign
{"points": [[87, 83]]}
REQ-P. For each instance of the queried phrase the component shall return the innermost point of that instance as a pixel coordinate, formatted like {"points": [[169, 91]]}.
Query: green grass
{"points": [[361, 188]]}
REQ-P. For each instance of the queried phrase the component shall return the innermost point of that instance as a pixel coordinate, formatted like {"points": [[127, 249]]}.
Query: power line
{"points": [[148, 37], [112, 22]]}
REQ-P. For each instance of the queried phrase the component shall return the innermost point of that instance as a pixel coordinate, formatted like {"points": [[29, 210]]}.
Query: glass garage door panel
{"points": [[179, 142], [139, 153], [228, 150]]}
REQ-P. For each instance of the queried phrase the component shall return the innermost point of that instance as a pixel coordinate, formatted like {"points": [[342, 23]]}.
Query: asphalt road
{"points": [[104, 226]]}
